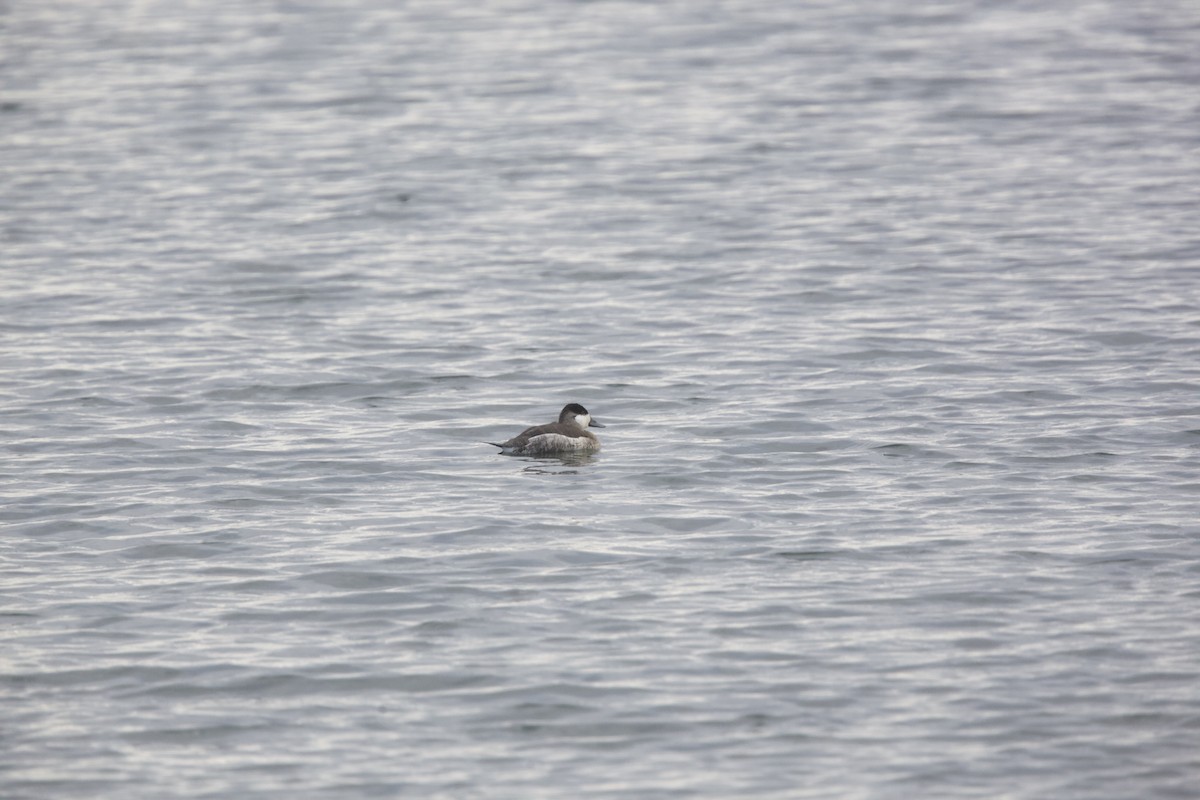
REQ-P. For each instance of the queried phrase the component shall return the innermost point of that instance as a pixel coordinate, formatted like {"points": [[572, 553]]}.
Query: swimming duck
{"points": [[569, 435]]}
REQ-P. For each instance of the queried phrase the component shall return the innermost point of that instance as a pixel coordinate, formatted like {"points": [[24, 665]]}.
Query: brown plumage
{"points": [[569, 435]]}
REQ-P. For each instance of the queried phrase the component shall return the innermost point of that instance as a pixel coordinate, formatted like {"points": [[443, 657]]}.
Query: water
{"points": [[893, 314]]}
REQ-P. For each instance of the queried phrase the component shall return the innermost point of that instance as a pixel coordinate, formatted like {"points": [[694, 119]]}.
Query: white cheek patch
{"points": [[583, 420]]}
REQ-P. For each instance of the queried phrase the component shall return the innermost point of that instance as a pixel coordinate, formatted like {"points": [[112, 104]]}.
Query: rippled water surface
{"points": [[892, 311]]}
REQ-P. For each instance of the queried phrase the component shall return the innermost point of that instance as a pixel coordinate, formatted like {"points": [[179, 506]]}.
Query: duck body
{"points": [[569, 435]]}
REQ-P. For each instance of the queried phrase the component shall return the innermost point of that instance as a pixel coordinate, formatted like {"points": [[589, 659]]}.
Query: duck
{"points": [[569, 435]]}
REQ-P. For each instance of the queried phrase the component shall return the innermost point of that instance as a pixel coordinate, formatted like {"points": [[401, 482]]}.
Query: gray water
{"points": [[892, 311]]}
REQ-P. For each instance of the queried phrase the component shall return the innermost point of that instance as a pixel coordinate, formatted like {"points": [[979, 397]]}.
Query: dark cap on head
{"points": [[572, 410]]}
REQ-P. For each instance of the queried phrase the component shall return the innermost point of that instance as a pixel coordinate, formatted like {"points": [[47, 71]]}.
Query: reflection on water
{"points": [[545, 465], [902, 299]]}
